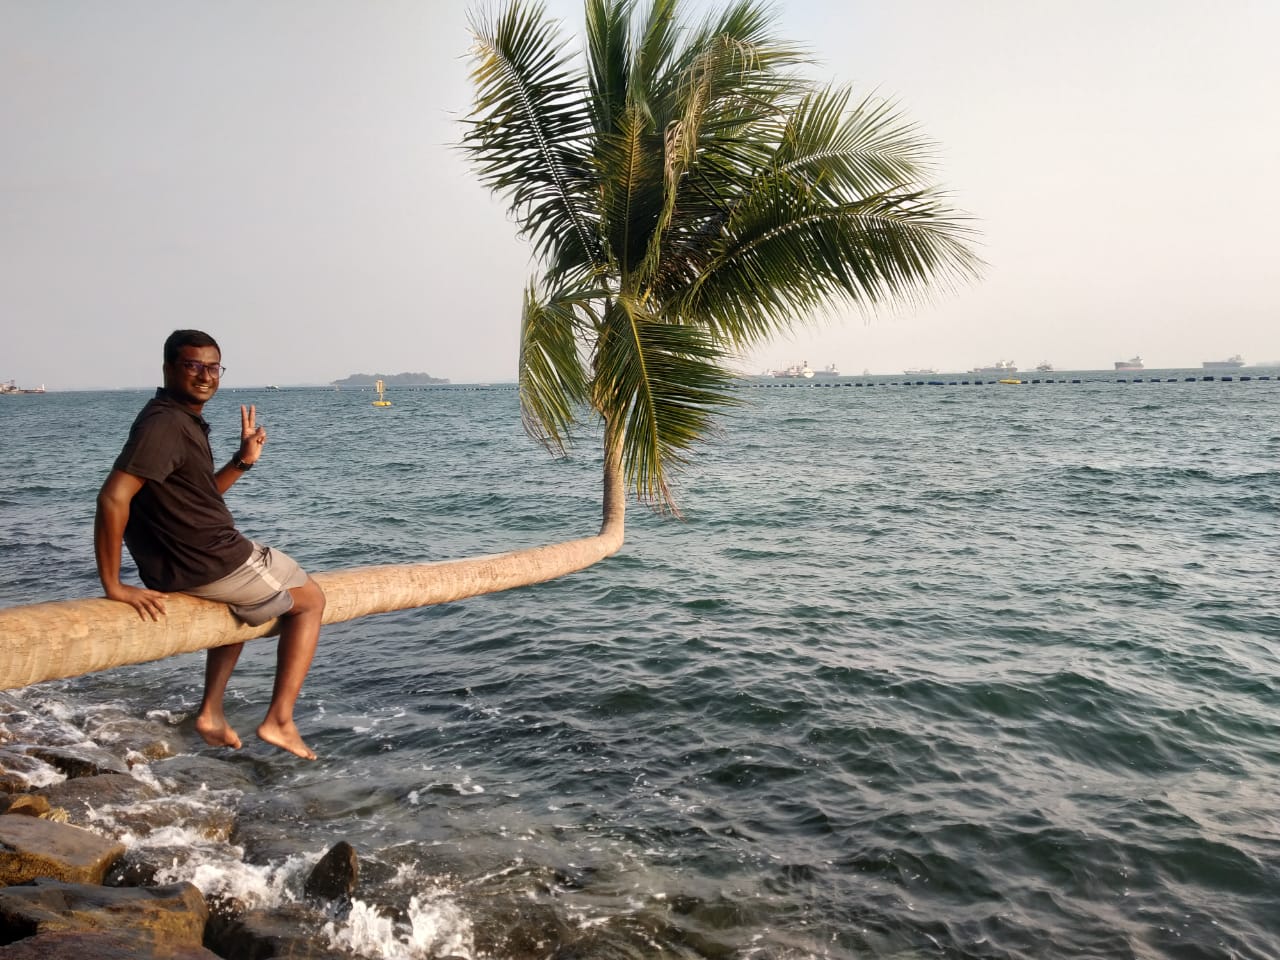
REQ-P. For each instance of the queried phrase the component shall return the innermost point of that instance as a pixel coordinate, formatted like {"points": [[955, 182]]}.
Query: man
{"points": [[163, 499]]}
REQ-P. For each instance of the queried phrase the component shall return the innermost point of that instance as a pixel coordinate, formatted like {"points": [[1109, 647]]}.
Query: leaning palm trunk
{"points": [[52, 641]]}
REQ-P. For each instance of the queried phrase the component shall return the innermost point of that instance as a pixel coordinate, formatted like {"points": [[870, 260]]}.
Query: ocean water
{"points": [[921, 671]]}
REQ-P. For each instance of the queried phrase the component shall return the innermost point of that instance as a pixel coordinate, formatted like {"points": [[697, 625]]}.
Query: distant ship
{"points": [[1231, 363], [1000, 366], [827, 371], [921, 372], [9, 386], [1133, 363], [795, 372], [1044, 366]]}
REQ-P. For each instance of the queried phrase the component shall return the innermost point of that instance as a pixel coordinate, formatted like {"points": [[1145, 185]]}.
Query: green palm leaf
{"points": [[553, 383], [529, 133], [664, 381]]}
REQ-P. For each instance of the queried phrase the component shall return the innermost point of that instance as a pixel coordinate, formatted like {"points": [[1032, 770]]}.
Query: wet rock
{"points": [[136, 738], [134, 869], [336, 875], [82, 796], [267, 828], [187, 773], [34, 723], [173, 915], [92, 945], [195, 815], [25, 771], [289, 931], [31, 848], [518, 929], [82, 760], [27, 804]]}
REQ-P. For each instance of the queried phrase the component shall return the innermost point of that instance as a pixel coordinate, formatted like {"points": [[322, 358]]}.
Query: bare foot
{"points": [[286, 737], [217, 733]]}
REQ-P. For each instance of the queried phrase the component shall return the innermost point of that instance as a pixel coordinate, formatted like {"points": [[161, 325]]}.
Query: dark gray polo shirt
{"points": [[180, 532]]}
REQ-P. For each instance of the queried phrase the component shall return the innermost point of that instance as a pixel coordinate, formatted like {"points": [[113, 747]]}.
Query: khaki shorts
{"points": [[257, 590]]}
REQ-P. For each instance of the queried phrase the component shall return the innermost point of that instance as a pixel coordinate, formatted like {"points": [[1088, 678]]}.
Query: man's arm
{"points": [[252, 437], [114, 498]]}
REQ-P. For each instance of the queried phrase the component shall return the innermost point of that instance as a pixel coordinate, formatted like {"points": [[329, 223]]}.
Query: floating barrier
{"points": [[764, 384], [888, 382]]}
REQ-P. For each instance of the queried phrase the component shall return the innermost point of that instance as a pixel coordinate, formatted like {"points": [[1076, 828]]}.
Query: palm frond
{"points": [[666, 381], [792, 257], [658, 40], [608, 60], [553, 382], [630, 165], [846, 153], [528, 132], [721, 93], [758, 73]]}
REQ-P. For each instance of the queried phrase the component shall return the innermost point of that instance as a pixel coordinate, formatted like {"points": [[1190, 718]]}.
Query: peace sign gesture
{"points": [[252, 435]]}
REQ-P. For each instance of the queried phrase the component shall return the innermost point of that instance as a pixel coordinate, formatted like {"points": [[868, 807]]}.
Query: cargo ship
{"points": [[797, 371], [1133, 363], [1002, 367], [1231, 363]]}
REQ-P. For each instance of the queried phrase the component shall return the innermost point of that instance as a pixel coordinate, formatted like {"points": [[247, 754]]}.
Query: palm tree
{"points": [[688, 194]]}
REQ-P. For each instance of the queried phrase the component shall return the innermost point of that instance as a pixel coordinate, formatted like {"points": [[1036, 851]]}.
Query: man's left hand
{"points": [[252, 436]]}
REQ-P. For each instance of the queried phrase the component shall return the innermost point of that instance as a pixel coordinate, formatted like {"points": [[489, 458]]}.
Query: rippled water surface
{"points": [[971, 671]]}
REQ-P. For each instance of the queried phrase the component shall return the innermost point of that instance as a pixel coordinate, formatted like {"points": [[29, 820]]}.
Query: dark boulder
{"points": [[336, 875], [292, 930]]}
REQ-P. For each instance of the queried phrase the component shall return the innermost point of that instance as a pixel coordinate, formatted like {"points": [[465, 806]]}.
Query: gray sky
{"points": [[279, 174]]}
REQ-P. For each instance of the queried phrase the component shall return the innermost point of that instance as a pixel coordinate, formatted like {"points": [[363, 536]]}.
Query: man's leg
{"points": [[299, 635], [211, 722]]}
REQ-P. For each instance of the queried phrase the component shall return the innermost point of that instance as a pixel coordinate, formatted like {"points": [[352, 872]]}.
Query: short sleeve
{"points": [[153, 450]]}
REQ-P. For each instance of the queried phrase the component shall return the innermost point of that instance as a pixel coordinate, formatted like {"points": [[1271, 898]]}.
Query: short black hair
{"points": [[187, 338]]}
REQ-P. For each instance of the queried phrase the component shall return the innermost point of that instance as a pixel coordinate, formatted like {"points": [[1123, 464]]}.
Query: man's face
{"points": [[193, 377]]}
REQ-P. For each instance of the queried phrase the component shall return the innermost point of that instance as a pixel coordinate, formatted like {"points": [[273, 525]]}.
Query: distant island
{"points": [[390, 379]]}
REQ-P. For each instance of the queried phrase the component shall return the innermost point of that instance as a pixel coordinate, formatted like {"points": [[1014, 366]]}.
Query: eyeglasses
{"points": [[195, 368]]}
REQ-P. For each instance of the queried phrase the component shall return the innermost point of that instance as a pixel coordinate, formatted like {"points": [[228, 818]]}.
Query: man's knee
{"points": [[308, 598]]}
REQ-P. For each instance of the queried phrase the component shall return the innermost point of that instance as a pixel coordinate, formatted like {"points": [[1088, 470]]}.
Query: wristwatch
{"points": [[241, 465]]}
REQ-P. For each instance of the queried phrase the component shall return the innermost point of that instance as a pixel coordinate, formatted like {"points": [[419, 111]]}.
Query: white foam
{"points": [[252, 885], [39, 774], [166, 716], [437, 927]]}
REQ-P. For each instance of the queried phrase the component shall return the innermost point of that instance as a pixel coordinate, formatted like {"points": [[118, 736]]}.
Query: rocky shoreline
{"points": [[91, 839]]}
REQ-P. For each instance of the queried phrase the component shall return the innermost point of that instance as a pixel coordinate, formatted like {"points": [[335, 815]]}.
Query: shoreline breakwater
{"points": [[115, 841]]}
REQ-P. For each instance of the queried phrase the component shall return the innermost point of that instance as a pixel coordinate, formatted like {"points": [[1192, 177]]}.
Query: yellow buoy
{"points": [[380, 402], [1010, 380]]}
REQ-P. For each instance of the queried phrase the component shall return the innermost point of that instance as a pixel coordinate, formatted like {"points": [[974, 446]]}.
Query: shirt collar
{"points": [[166, 398]]}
